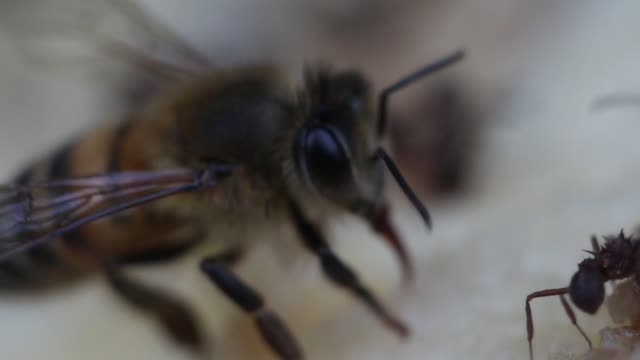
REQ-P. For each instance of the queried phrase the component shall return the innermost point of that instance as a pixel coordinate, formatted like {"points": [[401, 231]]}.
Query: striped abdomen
{"points": [[86, 248]]}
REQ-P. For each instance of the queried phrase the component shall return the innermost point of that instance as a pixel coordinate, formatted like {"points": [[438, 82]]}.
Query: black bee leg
{"points": [[340, 274], [172, 313], [273, 330], [156, 256], [228, 257]]}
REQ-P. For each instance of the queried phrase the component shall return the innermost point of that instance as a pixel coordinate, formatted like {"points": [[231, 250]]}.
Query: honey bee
{"points": [[226, 148], [616, 259]]}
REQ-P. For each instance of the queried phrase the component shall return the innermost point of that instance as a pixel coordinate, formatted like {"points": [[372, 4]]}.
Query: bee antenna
{"points": [[408, 80], [393, 169], [616, 100]]}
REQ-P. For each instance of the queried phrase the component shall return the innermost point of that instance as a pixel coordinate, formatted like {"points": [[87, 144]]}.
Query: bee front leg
{"points": [[339, 273], [174, 315], [273, 330]]}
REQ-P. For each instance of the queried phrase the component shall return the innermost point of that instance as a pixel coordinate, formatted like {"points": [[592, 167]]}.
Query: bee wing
{"points": [[37, 213], [90, 35], [159, 32], [76, 33]]}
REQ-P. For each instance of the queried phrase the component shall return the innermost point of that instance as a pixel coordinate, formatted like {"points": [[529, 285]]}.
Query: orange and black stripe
{"points": [[36, 264]]}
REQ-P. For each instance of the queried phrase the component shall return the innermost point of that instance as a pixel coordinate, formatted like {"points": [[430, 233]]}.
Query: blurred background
{"points": [[515, 165]]}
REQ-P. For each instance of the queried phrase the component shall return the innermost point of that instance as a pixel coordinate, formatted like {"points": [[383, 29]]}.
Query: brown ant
{"points": [[613, 260]]}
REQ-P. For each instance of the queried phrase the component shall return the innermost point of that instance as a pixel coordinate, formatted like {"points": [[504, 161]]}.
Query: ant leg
{"points": [[545, 293], [341, 274], [273, 330], [572, 317], [174, 315]]}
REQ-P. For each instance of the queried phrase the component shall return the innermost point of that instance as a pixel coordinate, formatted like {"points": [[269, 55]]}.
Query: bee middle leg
{"points": [[272, 329], [339, 273], [174, 315]]}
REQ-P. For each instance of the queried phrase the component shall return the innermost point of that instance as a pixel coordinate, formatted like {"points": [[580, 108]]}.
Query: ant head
{"points": [[587, 288]]}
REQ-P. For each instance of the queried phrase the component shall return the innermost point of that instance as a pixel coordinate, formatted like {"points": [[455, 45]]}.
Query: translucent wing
{"points": [[34, 214], [97, 21], [160, 33], [77, 32]]}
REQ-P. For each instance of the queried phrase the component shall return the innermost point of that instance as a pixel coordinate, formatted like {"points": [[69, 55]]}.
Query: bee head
{"points": [[335, 149]]}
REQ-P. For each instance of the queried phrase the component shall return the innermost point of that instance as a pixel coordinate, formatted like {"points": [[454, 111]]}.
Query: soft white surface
{"points": [[551, 173]]}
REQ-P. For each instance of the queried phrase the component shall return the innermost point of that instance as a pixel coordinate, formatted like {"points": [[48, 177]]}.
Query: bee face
{"points": [[334, 149]]}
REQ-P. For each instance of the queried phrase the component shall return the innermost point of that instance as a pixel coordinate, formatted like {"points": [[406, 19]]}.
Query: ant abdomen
{"points": [[586, 290]]}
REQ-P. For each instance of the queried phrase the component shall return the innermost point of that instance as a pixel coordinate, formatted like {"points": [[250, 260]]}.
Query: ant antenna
{"points": [[408, 80]]}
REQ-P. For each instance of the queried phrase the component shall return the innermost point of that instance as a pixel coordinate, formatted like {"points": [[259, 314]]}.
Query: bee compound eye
{"points": [[324, 157], [587, 290]]}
